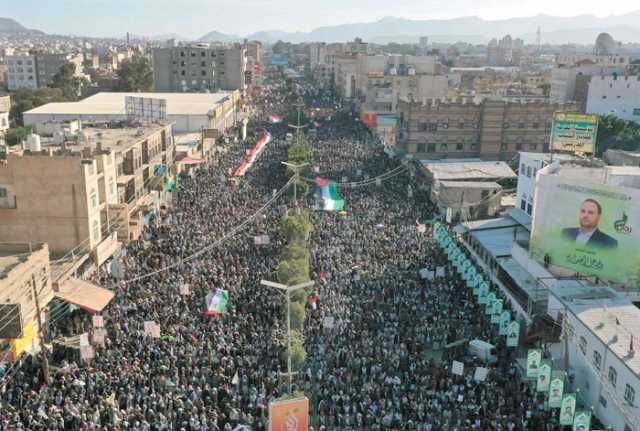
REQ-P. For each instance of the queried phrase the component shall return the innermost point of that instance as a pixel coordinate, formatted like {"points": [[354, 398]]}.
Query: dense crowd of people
{"points": [[373, 367]]}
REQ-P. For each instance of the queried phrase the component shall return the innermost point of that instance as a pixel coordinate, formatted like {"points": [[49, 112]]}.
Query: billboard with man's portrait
{"points": [[591, 228]]}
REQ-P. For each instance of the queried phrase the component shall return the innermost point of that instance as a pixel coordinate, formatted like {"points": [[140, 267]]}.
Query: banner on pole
{"points": [[534, 356], [567, 409], [544, 376]]}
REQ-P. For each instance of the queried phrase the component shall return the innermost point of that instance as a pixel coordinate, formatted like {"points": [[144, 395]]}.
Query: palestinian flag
{"points": [[217, 302], [274, 119], [329, 195]]}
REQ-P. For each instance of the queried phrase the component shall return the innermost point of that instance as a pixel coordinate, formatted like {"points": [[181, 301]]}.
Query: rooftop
{"points": [[468, 170], [114, 104], [471, 184], [115, 139]]}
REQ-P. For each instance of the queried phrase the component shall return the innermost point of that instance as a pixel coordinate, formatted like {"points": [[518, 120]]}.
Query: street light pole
{"points": [[287, 293], [296, 171]]}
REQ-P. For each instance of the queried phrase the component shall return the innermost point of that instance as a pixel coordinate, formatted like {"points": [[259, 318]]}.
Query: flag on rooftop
{"points": [[329, 195], [217, 302]]}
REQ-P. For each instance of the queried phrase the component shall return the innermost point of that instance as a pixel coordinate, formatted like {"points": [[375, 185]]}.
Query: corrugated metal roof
{"points": [[468, 170]]}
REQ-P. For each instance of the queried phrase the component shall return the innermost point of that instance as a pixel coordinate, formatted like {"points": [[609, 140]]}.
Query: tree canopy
{"points": [[135, 75], [614, 133], [25, 99], [67, 81]]}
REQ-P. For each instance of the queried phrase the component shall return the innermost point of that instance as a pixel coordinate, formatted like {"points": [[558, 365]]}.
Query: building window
{"points": [[431, 148], [629, 394], [3, 192], [94, 199], [521, 125], [506, 125], [613, 376], [523, 205], [533, 146], [461, 125], [597, 359], [535, 125], [529, 209], [181, 53], [518, 146], [444, 147], [522, 171], [603, 401], [459, 147], [112, 185], [96, 230], [503, 146], [529, 171], [583, 345], [421, 147], [423, 127]]}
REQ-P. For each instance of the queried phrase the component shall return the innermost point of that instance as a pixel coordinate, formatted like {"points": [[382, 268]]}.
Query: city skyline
{"points": [[194, 18]]}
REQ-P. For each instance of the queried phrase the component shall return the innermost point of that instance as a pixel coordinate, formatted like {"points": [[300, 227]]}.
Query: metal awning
{"points": [[85, 295]]}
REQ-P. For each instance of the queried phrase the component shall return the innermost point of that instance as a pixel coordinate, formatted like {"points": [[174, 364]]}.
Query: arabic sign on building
{"points": [[590, 228], [574, 132], [289, 415]]}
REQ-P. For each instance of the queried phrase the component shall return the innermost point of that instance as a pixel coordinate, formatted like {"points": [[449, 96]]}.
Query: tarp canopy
{"points": [[85, 295]]}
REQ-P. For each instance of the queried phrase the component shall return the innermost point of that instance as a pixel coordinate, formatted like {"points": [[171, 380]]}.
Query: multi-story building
{"points": [[505, 52], [615, 95], [491, 129], [21, 72], [25, 277], [255, 54], [571, 83], [48, 65], [199, 68], [5, 107], [79, 194]]}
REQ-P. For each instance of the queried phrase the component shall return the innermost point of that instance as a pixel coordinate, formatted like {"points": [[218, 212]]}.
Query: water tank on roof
{"points": [[33, 142]]}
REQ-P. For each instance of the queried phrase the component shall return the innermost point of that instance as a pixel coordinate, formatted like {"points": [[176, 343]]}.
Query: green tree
{"points": [[25, 99], [135, 75], [546, 89], [67, 81], [298, 352], [297, 316], [617, 134], [16, 135]]}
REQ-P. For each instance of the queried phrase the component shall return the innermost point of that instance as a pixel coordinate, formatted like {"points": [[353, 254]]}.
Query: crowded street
{"points": [[381, 362]]}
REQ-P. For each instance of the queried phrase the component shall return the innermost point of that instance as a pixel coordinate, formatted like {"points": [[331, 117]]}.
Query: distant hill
{"points": [[578, 29], [216, 36], [8, 25]]}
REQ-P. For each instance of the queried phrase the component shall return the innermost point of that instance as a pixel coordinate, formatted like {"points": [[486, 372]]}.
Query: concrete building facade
{"points": [[22, 264], [490, 130], [615, 95], [199, 68], [21, 72]]}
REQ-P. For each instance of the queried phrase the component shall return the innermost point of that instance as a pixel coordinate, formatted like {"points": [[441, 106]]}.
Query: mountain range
{"points": [[581, 29]]}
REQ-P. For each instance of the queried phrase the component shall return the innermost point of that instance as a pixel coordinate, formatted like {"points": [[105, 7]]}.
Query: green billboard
{"points": [[593, 229]]}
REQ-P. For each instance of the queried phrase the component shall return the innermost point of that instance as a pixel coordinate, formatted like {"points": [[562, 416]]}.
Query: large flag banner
{"points": [[505, 319], [217, 302], [289, 415], [582, 421], [567, 409], [265, 138], [556, 390], [329, 195]]}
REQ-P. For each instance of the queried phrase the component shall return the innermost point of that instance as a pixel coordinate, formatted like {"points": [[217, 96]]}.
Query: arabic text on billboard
{"points": [[574, 132], [590, 228], [289, 415], [280, 59]]}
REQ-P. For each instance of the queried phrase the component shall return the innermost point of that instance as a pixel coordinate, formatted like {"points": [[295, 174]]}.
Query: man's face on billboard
{"points": [[589, 216]]}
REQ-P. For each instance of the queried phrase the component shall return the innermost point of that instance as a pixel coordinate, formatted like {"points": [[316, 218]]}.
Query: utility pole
{"points": [[287, 294], [296, 174], [43, 349]]}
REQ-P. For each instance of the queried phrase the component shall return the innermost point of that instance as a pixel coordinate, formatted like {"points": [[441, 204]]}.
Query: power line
{"points": [[232, 232]]}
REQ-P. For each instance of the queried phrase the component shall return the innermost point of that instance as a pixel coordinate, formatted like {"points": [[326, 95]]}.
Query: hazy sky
{"points": [[193, 18]]}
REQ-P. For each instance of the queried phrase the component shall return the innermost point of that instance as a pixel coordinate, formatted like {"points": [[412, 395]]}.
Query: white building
{"points": [[21, 72], [616, 95], [530, 164], [600, 324], [189, 112]]}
